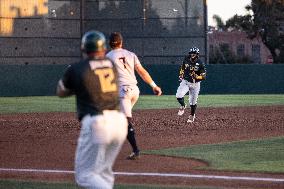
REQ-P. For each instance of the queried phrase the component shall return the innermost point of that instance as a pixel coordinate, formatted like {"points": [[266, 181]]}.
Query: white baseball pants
{"points": [[192, 88], [99, 143], [128, 97]]}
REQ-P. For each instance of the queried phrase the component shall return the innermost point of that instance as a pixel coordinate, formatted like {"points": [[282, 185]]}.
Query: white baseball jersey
{"points": [[125, 62]]}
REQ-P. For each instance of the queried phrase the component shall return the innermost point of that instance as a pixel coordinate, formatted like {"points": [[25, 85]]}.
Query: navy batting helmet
{"points": [[193, 50], [93, 41]]}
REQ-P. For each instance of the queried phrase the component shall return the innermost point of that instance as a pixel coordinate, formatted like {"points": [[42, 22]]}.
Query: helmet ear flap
{"points": [[82, 47]]}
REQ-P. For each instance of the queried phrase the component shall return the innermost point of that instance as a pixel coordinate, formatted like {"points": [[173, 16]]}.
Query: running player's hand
{"points": [[180, 78], [200, 77], [194, 75], [157, 91]]}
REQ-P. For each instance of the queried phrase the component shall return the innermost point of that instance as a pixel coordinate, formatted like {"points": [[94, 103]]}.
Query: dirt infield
{"points": [[48, 141]]}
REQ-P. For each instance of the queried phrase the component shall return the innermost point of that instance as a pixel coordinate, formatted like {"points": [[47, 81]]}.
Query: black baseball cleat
{"points": [[133, 156]]}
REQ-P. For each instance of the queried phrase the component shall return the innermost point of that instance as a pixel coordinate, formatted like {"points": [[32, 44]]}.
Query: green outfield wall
{"points": [[225, 79], [41, 80]]}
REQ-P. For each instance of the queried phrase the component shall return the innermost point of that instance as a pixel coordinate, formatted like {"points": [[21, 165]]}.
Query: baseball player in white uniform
{"points": [[127, 63]]}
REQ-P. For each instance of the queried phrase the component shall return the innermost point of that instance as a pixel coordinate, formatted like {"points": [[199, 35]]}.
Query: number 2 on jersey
{"points": [[106, 77]]}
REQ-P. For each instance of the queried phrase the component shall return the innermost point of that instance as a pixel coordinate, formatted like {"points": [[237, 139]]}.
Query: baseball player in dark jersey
{"points": [[94, 81], [192, 72]]}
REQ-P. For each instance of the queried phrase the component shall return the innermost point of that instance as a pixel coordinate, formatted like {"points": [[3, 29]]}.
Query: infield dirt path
{"points": [[48, 141]]}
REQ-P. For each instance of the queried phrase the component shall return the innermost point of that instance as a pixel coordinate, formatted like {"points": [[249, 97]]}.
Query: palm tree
{"points": [[219, 22]]}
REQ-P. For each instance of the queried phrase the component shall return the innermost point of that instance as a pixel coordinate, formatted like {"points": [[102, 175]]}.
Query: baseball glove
{"points": [[199, 77]]}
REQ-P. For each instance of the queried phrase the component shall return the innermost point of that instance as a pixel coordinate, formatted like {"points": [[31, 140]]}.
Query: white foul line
{"points": [[37, 170], [203, 176], [154, 174]]}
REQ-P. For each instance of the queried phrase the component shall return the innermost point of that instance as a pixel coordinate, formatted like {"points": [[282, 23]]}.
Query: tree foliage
{"points": [[243, 23], [268, 17], [223, 55], [267, 22], [219, 22]]}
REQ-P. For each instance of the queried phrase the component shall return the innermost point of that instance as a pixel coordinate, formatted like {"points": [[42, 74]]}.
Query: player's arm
{"points": [[62, 89], [147, 79], [181, 72], [202, 75]]}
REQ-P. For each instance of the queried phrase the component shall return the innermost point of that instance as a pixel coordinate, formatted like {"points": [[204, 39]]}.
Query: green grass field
{"points": [[56, 104], [265, 155], [256, 155], [13, 184]]}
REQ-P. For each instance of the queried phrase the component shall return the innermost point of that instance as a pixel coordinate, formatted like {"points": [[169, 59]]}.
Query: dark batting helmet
{"points": [[193, 50], [93, 41]]}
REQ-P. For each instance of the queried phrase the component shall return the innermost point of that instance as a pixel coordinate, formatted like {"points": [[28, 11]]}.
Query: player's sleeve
{"points": [[136, 60], [202, 70], [65, 84], [108, 55], [202, 67], [182, 68], [67, 79]]}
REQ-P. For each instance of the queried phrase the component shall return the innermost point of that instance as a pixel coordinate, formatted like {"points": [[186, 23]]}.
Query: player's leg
{"points": [[116, 125], [181, 91], [193, 97], [90, 154], [131, 131], [126, 107], [130, 97], [132, 140]]}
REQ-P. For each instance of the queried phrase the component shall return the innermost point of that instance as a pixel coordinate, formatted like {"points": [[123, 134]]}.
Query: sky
{"points": [[225, 9]]}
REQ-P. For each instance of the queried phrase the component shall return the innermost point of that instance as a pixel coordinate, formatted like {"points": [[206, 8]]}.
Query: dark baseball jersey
{"points": [[95, 84], [189, 67]]}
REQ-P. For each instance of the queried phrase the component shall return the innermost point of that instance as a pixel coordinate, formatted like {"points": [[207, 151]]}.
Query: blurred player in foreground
{"points": [[94, 82]]}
